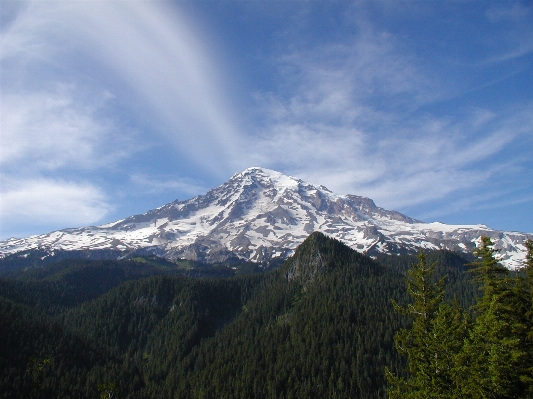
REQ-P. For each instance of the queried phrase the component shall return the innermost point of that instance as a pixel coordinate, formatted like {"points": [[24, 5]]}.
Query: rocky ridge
{"points": [[260, 214]]}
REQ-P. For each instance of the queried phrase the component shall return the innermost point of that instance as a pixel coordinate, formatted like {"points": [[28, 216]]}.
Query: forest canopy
{"points": [[321, 325]]}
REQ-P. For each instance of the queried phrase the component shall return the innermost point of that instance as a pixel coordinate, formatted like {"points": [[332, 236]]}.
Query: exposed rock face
{"points": [[259, 214]]}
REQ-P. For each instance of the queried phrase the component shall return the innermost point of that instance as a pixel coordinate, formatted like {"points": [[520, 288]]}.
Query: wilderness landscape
{"points": [[234, 294], [320, 325], [245, 199]]}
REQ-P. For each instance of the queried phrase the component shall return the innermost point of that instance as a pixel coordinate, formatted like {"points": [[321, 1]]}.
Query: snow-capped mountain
{"points": [[259, 214]]}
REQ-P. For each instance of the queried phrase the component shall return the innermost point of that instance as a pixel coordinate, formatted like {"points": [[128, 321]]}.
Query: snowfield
{"points": [[259, 214]]}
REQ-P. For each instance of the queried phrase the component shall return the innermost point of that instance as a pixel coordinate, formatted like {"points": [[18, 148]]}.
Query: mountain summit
{"points": [[259, 214]]}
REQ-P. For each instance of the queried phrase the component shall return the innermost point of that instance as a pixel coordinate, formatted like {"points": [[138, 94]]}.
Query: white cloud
{"points": [[153, 185], [75, 77], [154, 51], [517, 41], [146, 53], [356, 113], [515, 13], [53, 130], [50, 201], [352, 119]]}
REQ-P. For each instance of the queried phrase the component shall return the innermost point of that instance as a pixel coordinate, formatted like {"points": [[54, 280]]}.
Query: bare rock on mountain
{"points": [[260, 214]]}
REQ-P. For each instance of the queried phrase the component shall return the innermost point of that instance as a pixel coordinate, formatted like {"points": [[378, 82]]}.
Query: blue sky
{"points": [[113, 108]]}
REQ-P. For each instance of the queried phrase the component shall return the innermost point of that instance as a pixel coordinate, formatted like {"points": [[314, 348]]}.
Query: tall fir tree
{"points": [[432, 342], [489, 275], [490, 364], [527, 306], [528, 285], [529, 257]]}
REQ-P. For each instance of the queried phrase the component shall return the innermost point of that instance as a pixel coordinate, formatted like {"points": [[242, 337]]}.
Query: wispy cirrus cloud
{"points": [[30, 203], [365, 116], [157, 185], [517, 41], [86, 87], [143, 53], [170, 72], [51, 130], [415, 105]]}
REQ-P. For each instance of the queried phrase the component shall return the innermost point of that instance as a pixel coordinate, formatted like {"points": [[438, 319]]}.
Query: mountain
{"points": [[260, 214], [319, 326]]}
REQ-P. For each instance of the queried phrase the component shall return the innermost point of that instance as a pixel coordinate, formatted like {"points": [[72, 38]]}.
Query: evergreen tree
{"points": [[34, 372], [528, 286], [490, 275], [320, 326], [450, 328], [108, 391], [433, 340], [527, 305], [529, 257], [490, 364]]}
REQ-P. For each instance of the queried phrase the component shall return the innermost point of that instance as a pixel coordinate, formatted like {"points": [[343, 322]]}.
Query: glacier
{"points": [[260, 214]]}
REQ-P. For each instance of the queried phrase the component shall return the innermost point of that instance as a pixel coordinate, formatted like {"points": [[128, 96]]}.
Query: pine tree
{"points": [[450, 328], [108, 391], [527, 301], [490, 363], [528, 285], [428, 345], [528, 278], [489, 274]]}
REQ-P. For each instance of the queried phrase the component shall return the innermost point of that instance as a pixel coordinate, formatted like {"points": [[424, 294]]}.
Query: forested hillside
{"points": [[451, 354], [321, 325]]}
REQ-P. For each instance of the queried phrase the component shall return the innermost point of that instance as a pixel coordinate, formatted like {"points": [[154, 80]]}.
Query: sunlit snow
{"points": [[260, 209]]}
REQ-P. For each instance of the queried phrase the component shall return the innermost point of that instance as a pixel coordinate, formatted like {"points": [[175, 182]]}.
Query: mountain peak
{"points": [[262, 174], [257, 171], [279, 181], [259, 214], [318, 255]]}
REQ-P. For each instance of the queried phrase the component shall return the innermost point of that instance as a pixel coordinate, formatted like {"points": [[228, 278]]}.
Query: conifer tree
{"points": [[450, 328], [529, 256], [528, 278], [428, 345], [490, 364], [527, 300], [528, 286], [489, 274], [108, 391]]}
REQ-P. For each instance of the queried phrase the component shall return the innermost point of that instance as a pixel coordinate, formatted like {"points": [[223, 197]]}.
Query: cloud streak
{"points": [[152, 185], [357, 117], [170, 72], [53, 130], [51, 202], [87, 86], [105, 98]]}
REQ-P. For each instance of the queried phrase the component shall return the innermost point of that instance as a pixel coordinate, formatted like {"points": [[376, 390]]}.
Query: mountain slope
{"points": [[319, 326], [259, 214]]}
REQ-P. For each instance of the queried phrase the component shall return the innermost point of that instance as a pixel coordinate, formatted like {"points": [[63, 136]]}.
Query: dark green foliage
{"points": [[529, 257], [450, 357], [321, 325], [317, 328], [528, 289], [431, 341], [37, 264], [35, 259], [491, 359], [449, 264], [108, 391], [67, 284], [489, 274], [27, 334], [35, 376]]}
